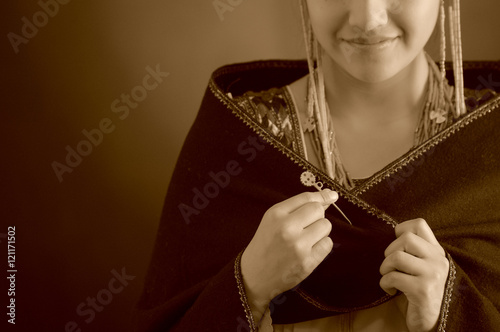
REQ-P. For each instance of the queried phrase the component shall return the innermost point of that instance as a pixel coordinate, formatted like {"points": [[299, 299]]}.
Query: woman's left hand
{"points": [[416, 265]]}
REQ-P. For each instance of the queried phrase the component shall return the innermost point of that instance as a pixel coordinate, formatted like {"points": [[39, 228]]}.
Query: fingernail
{"points": [[330, 195]]}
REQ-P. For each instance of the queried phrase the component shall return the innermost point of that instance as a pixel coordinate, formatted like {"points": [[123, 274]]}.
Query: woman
{"points": [[412, 243]]}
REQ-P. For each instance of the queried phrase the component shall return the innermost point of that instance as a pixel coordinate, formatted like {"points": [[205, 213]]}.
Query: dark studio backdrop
{"points": [[85, 168]]}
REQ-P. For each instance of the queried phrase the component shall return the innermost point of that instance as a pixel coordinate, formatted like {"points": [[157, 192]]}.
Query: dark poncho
{"points": [[237, 162]]}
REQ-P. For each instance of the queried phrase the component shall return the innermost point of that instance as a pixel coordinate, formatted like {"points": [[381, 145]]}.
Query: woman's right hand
{"points": [[290, 242]]}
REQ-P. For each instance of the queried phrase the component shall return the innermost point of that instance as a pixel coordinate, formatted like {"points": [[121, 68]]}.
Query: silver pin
{"points": [[308, 179]]}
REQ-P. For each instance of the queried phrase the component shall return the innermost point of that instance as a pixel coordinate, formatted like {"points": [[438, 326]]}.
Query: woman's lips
{"points": [[370, 44]]}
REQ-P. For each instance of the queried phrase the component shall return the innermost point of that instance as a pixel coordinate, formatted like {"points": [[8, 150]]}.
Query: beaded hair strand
{"points": [[316, 87], [442, 60], [456, 50]]}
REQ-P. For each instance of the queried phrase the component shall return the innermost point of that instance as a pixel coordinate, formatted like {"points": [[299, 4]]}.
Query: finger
{"points": [[325, 197], [402, 262], [316, 231], [307, 214], [395, 280], [412, 244], [419, 227], [321, 249]]}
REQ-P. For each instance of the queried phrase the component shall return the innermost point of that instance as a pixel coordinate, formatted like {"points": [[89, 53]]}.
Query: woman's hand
{"points": [[416, 265], [291, 241]]}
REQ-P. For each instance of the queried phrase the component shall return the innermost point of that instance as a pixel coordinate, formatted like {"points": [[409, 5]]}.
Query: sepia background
{"points": [[73, 231]]}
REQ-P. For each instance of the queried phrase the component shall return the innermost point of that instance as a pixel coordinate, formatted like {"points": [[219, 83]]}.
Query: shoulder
{"points": [[293, 95], [482, 85], [272, 112], [257, 92], [257, 75], [258, 87], [482, 81]]}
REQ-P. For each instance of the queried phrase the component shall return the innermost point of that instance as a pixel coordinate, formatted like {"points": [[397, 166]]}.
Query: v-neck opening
{"points": [[403, 160]]}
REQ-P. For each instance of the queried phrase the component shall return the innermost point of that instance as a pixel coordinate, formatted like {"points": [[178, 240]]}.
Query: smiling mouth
{"points": [[371, 44], [370, 41]]}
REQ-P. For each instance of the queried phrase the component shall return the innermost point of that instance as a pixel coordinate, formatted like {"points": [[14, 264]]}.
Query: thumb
{"points": [[329, 197]]}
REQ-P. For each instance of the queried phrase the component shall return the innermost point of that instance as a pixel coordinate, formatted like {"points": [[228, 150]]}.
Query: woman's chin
{"points": [[368, 71], [371, 74]]}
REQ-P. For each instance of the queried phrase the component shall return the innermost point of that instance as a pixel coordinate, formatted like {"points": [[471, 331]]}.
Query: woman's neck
{"points": [[356, 102]]}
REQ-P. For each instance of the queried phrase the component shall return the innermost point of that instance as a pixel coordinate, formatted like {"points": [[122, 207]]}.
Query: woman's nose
{"points": [[368, 15]]}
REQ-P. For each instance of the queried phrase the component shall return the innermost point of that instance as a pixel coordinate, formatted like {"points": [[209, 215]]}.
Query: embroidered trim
{"points": [[397, 165], [389, 170], [448, 293], [297, 159], [241, 291], [321, 306], [270, 109]]}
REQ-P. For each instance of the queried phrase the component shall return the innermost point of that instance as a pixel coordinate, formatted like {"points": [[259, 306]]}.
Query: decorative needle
{"points": [[309, 179]]}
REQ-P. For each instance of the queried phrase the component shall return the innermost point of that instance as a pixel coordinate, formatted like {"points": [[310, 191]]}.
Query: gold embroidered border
{"points": [[448, 294], [293, 156], [425, 147], [241, 291], [321, 306], [388, 171], [252, 111]]}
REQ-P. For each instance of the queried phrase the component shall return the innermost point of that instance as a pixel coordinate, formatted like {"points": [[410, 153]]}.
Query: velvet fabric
{"points": [[231, 170]]}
